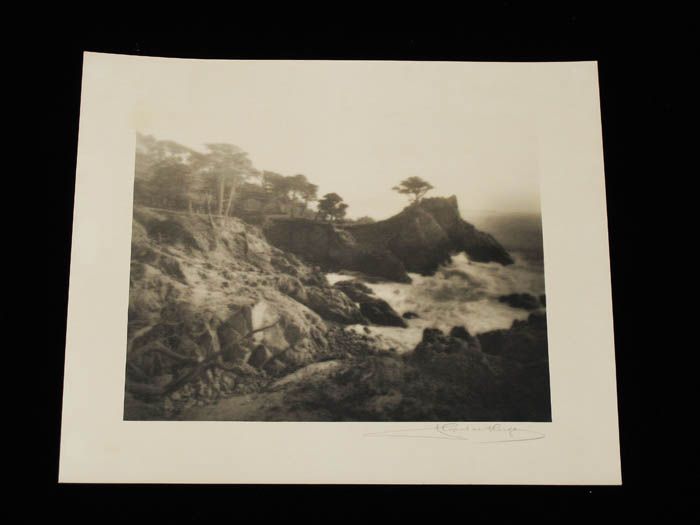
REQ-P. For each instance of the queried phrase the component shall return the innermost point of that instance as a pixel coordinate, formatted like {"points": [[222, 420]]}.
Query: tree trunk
{"points": [[221, 196], [211, 219], [231, 194]]}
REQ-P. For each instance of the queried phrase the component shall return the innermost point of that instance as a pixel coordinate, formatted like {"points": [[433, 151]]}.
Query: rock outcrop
{"points": [[376, 310], [418, 239], [426, 234], [197, 291], [525, 341], [333, 248]]}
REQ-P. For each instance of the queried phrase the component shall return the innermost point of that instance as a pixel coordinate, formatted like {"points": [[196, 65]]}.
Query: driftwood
{"points": [[214, 359]]}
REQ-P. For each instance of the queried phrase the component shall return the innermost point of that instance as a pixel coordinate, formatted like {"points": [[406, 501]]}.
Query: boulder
{"points": [[410, 315], [379, 312], [333, 305], [376, 310]]}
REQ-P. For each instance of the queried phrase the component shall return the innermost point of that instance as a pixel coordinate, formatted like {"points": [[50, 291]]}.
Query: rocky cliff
{"points": [[334, 248], [221, 298], [223, 325], [426, 234], [418, 239]]}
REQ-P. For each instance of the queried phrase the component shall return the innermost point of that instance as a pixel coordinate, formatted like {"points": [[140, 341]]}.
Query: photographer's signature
{"points": [[476, 433]]}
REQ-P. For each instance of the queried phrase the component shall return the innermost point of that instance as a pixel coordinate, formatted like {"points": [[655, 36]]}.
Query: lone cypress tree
{"points": [[414, 186]]}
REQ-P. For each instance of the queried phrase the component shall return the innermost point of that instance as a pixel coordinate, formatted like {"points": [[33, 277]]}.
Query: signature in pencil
{"points": [[476, 433]]}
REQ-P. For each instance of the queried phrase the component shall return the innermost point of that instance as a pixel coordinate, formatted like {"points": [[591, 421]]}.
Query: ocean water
{"points": [[462, 292]]}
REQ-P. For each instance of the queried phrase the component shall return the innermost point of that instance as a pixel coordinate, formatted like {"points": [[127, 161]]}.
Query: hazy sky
{"points": [[358, 128]]}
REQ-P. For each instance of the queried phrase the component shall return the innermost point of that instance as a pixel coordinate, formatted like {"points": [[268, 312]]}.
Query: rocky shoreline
{"points": [[232, 321]]}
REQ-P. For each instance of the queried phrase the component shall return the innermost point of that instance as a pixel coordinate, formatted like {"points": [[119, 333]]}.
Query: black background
{"points": [[641, 57]]}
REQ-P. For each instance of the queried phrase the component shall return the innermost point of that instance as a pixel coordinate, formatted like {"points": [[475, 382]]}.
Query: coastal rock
{"points": [[355, 290], [197, 290], [525, 341], [333, 305], [460, 332], [418, 239], [333, 248], [479, 246], [525, 301], [436, 342], [426, 234], [376, 310]]}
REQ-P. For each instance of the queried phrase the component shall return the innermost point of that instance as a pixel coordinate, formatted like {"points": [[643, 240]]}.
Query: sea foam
{"points": [[462, 292]]}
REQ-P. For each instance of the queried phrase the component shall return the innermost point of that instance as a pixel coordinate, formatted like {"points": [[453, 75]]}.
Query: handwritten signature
{"points": [[476, 433]]}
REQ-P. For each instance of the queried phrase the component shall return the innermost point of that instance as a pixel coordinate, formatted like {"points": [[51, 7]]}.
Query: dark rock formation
{"points": [[380, 313], [332, 304], [333, 248], [445, 379], [524, 341], [418, 239], [460, 332], [435, 342], [376, 310], [410, 315], [426, 234], [521, 300]]}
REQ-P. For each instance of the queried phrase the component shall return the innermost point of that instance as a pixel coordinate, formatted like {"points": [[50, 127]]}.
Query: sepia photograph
{"points": [[364, 244]]}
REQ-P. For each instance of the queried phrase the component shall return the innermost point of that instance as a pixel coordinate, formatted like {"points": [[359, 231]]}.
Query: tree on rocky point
{"points": [[414, 186]]}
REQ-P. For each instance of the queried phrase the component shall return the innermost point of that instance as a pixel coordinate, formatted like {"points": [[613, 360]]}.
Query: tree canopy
{"points": [[292, 189], [174, 176], [414, 186], [331, 207]]}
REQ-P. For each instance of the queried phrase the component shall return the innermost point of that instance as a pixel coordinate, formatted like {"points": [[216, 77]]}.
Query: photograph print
{"points": [[350, 242]]}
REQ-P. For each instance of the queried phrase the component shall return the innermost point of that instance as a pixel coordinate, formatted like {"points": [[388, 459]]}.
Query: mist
{"points": [[358, 129]]}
